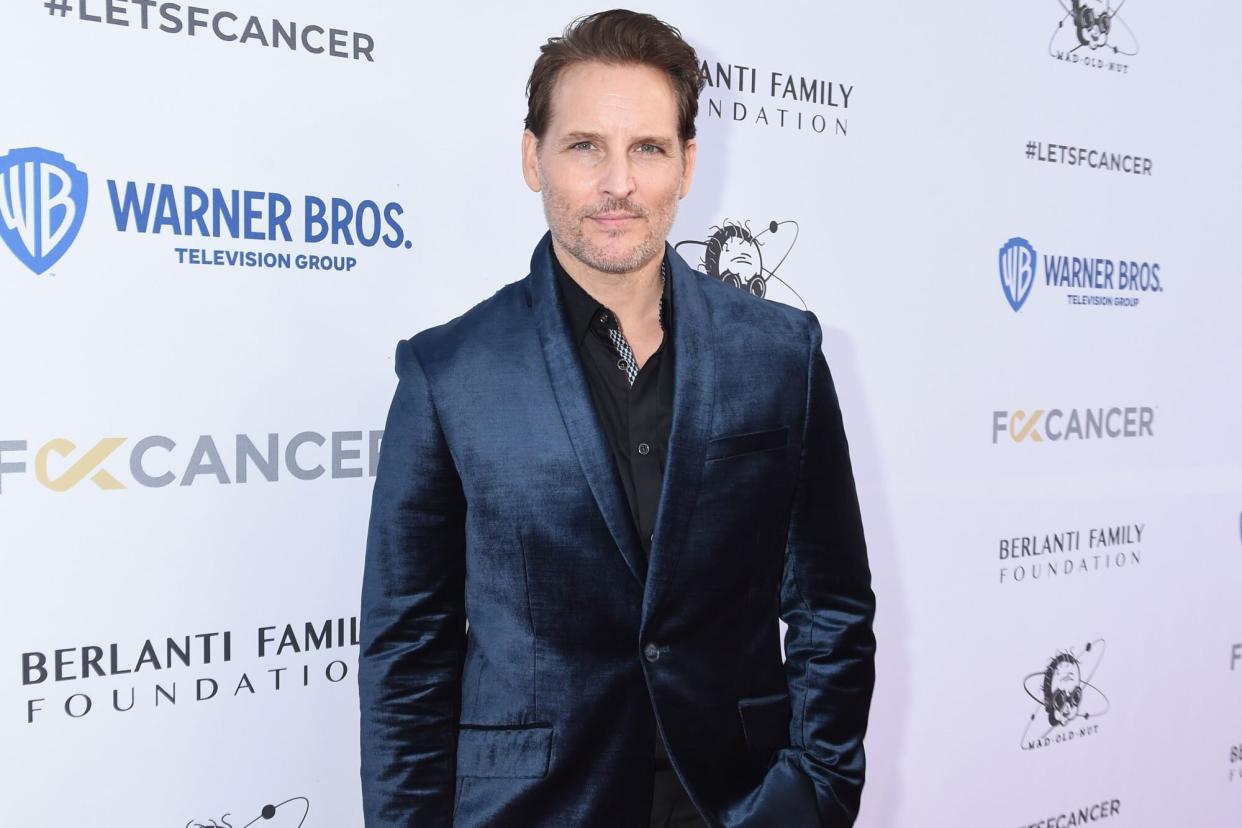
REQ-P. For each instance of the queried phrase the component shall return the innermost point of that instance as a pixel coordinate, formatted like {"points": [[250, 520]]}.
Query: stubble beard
{"points": [[566, 225]]}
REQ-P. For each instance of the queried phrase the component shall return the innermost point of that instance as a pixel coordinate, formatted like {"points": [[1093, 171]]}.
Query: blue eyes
{"points": [[644, 149]]}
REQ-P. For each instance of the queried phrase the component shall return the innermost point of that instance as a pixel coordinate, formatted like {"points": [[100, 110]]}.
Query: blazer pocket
{"points": [[504, 751], [765, 721], [731, 445]]}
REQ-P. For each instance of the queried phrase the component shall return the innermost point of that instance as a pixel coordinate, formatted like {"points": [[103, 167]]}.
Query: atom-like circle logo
{"points": [[733, 253], [1093, 24], [288, 814], [1064, 692]]}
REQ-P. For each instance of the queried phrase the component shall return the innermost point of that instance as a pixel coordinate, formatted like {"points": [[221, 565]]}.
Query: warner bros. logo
{"points": [[1017, 271], [42, 204]]}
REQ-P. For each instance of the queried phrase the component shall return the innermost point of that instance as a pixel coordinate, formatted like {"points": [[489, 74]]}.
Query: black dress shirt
{"points": [[636, 418]]}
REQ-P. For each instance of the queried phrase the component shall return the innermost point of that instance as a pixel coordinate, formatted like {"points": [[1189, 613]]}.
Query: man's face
{"points": [[610, 166]]}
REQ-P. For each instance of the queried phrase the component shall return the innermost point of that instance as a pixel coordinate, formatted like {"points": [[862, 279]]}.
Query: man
{"points": [[621, 473]]}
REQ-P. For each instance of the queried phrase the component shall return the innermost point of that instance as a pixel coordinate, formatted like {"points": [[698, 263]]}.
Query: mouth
{"points": [[613, 221]]}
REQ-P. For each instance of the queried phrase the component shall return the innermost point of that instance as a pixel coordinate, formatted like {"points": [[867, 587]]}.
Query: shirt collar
{"points": [[583, 308]]}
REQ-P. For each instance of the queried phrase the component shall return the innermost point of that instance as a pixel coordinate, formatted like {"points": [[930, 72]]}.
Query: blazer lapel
{"points": [[573, 396], [694, 372]]}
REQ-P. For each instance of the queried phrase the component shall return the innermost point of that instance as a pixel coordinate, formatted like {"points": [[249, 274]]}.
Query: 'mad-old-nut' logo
{"points": [[1093, 33], [42, 204], [288, 814], [1068, 704], [738, 255]]}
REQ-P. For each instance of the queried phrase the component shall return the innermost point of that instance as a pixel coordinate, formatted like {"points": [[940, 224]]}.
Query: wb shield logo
{"points": [[42, 204], [1017, 271]]}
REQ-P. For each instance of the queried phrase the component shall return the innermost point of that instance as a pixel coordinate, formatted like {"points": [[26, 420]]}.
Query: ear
{"points": [[530, 160], [689, 152]]}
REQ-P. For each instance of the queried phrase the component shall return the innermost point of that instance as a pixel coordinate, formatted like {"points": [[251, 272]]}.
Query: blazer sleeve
{"points": [[412, 619], [827, 603]]}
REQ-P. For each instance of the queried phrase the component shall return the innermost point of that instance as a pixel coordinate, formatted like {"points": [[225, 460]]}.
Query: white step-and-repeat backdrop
{"points": [[1018, 223]]}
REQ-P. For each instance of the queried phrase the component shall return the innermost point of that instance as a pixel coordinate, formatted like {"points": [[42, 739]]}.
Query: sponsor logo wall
{"points": [[218, 220]]}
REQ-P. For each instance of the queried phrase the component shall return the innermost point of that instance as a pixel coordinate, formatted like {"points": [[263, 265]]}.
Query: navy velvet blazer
{"points": [[497, 500]]}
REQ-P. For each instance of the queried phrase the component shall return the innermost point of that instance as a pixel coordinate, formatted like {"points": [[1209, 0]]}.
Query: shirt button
{"points": [[651, 652], [621, 364], [603, 319], [644, 449]]}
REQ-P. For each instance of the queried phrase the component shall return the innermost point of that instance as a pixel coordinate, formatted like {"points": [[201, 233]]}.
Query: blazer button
{"points": [[651, 652]]}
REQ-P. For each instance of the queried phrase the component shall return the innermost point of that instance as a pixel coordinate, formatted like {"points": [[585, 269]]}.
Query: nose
{"points": [[618, 176]]}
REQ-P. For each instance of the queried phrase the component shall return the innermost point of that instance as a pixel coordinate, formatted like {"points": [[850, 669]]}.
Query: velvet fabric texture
{"points": [[497, 500]]}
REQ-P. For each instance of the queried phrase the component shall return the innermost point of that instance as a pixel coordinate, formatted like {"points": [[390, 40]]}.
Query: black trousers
{"points": [[670, 806]]}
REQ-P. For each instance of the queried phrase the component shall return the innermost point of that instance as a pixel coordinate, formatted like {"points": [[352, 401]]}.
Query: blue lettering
{"points": [[1054, 270], [122, 209], [316, 226], [391, 211], [195, 211], [279, 209], [166, 211], [253, 214], [342, 212], [368, 211], [228, 212]]}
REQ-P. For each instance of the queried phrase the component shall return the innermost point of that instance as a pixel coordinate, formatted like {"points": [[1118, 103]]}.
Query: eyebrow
{"points": [[664, 143], [575, 137]]}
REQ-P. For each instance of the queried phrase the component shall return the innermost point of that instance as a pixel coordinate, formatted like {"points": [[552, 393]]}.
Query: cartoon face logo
{"points": [[1091, 22], [738, 258], [288, 814], [1062, 689], [733, 253], [1095, 24], [1064, 692]]}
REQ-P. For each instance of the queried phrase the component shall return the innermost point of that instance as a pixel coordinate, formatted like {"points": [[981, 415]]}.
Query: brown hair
{"points": [[618, 36]]}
